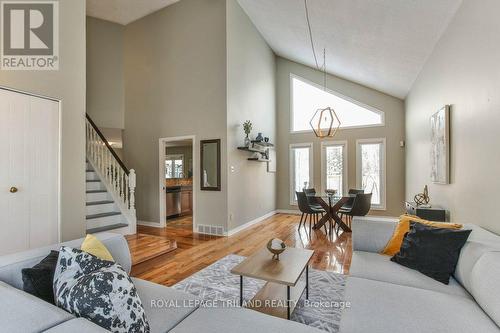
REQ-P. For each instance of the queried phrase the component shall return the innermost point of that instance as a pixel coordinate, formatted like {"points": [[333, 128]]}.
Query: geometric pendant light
{"points": [[325, 122]]}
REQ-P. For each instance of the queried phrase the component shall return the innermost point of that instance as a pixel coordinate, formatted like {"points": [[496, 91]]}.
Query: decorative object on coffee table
{"points": [[422, 198], [259, 138], [284, 286], [276, 247]]}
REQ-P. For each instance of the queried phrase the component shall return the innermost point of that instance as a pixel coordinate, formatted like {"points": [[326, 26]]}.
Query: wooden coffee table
{"points": [[283, 289]]}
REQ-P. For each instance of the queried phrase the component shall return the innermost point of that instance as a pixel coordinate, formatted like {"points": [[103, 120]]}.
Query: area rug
{"points": [[215, 283]]}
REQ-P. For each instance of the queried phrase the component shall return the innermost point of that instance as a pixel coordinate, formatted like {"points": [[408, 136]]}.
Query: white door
{"points": [[29, 171]]}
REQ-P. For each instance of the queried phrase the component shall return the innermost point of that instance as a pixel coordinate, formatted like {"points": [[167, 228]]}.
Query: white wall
{"points": [[105, 85], [68, 85], [463, 71], [175, 85], [251, 72], [393, 131]]}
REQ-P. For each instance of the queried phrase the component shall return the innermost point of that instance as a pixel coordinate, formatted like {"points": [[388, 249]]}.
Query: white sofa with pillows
{"points": [[387, 297], [21, 312]]}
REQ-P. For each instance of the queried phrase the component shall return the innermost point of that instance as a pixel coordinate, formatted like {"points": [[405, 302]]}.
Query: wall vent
{"points": [[210, 230]]}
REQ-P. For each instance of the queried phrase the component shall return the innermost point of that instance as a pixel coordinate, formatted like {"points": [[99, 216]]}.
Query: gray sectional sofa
{"points": [[383, 296], [24, 313], [387, 297]]}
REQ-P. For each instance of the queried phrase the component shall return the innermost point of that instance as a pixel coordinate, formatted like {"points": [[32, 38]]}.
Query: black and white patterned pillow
{"points": [[98, 290]]}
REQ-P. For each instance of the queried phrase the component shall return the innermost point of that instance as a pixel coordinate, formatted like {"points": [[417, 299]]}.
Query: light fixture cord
{"points": [[311, 35], [322, 68]]}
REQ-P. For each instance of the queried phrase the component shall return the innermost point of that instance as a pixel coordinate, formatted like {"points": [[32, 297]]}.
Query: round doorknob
{"points": [[13, 189]]}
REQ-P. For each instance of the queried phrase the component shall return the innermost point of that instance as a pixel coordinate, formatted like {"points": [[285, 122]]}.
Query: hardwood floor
{"points": [[145, 247], [194, 251], [183, 222]]}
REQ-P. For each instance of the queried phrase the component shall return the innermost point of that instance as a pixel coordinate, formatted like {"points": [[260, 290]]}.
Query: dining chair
{"points": [[307, 210], [348, 204], [310, 193], [360, 207]]}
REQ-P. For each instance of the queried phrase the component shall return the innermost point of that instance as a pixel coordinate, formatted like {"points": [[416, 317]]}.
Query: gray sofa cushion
{"points": [[11, 265], [379, 267], [77, 325], [24, 313], [485, 285], [216, 320], [371, 234], [480, 241], [381, 307], [165, 307]]}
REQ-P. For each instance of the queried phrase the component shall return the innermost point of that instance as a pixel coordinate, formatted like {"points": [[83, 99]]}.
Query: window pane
{"points": [[178, 169], [371, 170], [301, 168], [334, 168], [308, 98], [168, 169]]}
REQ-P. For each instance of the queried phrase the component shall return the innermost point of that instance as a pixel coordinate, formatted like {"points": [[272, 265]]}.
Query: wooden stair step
{"points": [[106, 228], [146, 247], [96, 191], [103, 202], [96, 216]]}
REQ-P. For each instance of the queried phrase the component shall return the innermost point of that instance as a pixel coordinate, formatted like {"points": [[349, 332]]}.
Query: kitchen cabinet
{"points": [[186, 201]]}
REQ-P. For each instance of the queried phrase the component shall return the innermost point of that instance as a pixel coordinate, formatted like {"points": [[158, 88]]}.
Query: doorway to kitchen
{"points": [[177, 176]]}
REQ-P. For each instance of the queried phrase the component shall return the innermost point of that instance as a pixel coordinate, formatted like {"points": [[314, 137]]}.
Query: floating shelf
{"points": [[258, 159], [260, 147], [263, 143]]}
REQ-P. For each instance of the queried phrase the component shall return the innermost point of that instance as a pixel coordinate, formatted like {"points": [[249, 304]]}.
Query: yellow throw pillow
{"points": [[394, 244], [95, 247]]}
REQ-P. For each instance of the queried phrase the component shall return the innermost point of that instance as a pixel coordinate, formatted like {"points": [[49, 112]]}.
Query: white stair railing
{"points": [[117, 178]]}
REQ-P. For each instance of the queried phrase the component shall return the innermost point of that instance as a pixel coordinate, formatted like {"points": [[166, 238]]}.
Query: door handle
{"points": [[13, 189]]}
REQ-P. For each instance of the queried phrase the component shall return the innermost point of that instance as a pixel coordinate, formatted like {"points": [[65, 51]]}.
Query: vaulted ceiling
{"points": [[124, 11], [382, 44]]}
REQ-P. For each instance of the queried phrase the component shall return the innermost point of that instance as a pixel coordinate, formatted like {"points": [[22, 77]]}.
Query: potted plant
{"points": [[247, 127]]}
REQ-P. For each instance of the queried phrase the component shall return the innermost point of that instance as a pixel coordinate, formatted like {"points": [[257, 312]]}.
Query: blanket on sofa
{"points": [[215, 283]]}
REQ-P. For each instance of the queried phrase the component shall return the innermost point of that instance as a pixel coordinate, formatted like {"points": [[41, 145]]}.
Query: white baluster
{"points": [[132, 184]]}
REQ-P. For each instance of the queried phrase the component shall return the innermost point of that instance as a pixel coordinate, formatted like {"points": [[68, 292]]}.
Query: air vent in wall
{"points": [[210, 230]]}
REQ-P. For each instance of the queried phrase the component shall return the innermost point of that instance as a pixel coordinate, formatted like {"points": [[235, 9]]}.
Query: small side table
{"points": [[433, 213]]}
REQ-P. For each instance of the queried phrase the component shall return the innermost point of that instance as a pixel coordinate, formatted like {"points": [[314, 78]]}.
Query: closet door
{"points": [[29, 171]]}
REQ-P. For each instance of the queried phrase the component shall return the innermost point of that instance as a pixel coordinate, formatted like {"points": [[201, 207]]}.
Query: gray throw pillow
{"points": [[98, 290]]}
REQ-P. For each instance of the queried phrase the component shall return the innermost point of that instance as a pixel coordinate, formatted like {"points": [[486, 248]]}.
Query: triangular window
{"points": [[307, 97]]}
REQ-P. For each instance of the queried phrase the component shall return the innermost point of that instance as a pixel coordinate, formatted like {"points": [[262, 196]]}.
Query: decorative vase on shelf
{"points": [[247, 141], [259, 138]]}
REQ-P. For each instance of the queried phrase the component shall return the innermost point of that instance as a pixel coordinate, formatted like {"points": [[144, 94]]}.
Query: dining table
{"points": [[332, 204]]}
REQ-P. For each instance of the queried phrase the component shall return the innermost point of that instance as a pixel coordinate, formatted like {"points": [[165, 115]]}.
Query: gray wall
{"points": [[393, 131], [68, 85], [175, 85], [250, 96], [462, 71], [105, 85]]}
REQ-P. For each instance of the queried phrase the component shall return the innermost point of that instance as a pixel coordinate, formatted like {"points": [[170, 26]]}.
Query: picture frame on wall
{"points": [[440, 146]]}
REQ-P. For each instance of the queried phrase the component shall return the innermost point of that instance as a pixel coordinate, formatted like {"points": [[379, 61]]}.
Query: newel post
{"points": [[131, 185]]}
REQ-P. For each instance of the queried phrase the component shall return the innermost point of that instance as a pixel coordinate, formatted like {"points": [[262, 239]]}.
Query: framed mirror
{"points": [[210, 165]]}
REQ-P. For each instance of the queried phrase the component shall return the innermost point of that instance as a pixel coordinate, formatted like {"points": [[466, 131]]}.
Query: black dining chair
{"points": [[360, 207], [350, 202], [310, 193], [307, 210]]}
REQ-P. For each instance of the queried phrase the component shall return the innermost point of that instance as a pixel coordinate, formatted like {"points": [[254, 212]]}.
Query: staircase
{"points": [[110, 187]]}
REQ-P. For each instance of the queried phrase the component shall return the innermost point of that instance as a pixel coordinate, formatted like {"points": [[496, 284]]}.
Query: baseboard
{"points": [[289, 211], [250, 223], [149, 224]]}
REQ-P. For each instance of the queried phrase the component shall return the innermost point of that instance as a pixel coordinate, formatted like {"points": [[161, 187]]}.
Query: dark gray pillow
{"points": [[38, 280], [432, 251], [98, 290]]}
